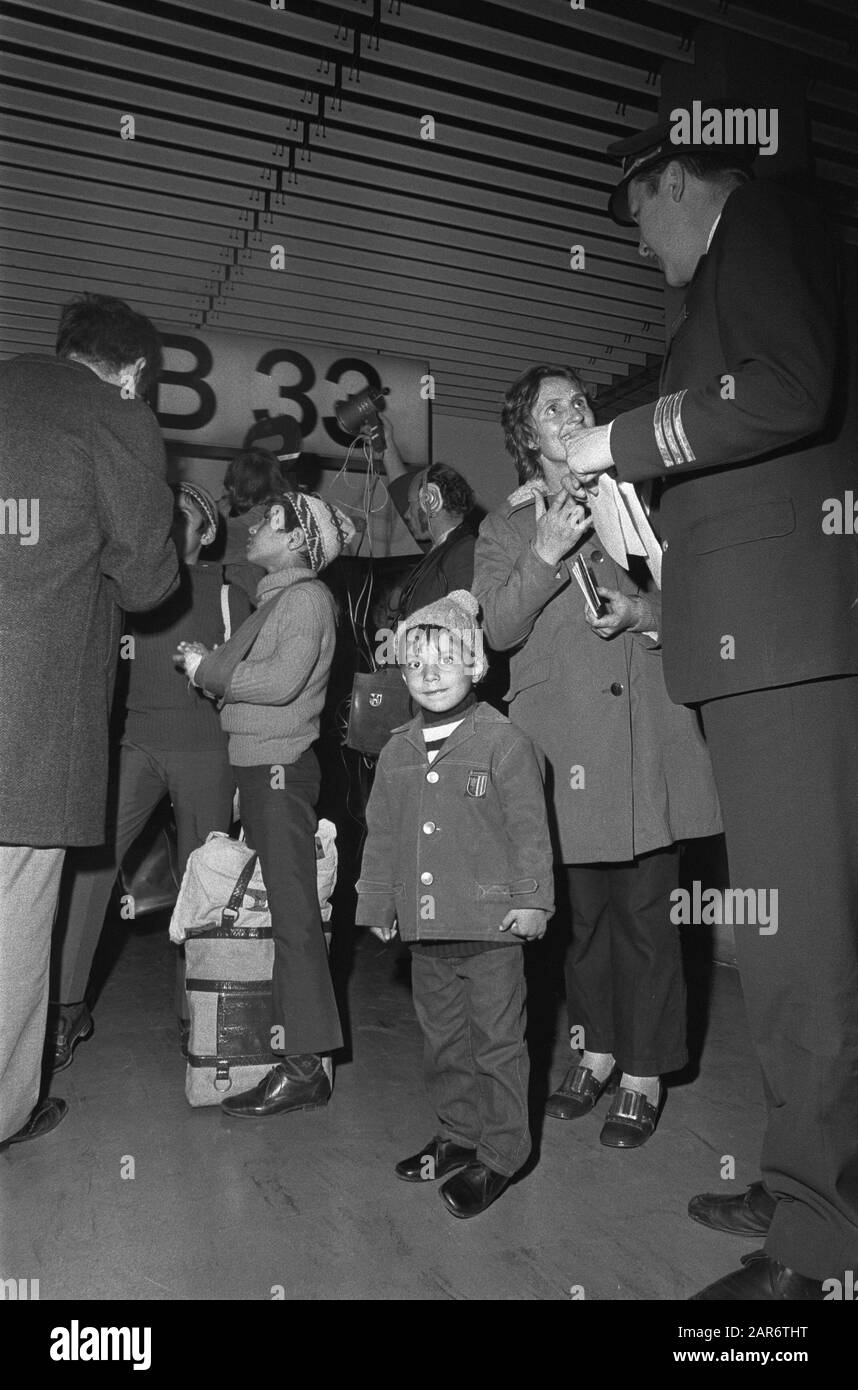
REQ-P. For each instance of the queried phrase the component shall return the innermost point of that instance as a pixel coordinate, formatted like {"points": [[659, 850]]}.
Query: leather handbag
{"points": [[379, 704]]}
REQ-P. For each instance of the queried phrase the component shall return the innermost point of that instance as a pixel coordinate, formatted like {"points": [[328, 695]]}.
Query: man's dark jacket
{"points": [[754, 431], [95, 461]]}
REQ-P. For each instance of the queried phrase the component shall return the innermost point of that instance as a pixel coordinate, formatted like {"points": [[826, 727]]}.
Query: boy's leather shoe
{"points": [[296, 1083], [577, 1094], [761, 1280], [470, 1192], [436, 1160], [73, 1024], [747, 1214], [44, 1117], [630, 1121]]}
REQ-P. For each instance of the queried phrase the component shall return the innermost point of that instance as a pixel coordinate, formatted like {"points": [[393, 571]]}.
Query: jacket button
{"points": [[427, 878], [664, 545], [429, 827], [616, 688], [597, 556], [431, 776]]}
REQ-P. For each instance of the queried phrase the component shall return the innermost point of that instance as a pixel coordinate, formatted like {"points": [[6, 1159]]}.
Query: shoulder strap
{"points": [[231, 911]]}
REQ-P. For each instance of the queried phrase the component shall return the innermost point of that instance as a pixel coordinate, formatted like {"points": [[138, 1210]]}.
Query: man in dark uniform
{"points": [[435, 504], [752, 445]]}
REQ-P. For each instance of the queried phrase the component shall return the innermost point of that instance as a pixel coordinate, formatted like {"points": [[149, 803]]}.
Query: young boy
{"points": [[458, 857]]}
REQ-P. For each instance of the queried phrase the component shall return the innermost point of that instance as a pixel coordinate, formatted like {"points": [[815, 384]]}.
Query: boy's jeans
{"points": [[472, 1013]]}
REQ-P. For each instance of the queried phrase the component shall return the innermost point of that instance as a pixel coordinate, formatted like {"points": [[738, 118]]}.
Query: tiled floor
{"points": [[221, 1209]]}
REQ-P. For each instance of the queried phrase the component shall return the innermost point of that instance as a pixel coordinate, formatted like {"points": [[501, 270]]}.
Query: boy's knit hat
{"points": [[326, 529], [455, 612], [203, 499]]}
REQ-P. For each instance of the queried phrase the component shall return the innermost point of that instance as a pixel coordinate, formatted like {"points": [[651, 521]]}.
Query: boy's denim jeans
{"points": [[476, 1066]]}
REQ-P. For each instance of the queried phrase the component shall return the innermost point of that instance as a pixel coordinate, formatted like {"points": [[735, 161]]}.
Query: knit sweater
{"points": [[274, 698], [163, 712]]}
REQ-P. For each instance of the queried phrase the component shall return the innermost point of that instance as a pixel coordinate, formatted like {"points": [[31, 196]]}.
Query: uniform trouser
{"points": [[200, 786], [786, 767], [472, 1013], [277, 806], [29, 889], [624, 984]]}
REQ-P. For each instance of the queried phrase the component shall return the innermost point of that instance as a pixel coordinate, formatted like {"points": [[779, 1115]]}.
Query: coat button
{"points": [[597, 556], [427, 878], [616, 688], [664, 545], [431, 776], [429, 827]]}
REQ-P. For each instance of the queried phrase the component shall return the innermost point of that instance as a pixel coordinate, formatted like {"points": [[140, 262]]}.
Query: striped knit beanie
{"points": [[327, 530], [203, 499]]}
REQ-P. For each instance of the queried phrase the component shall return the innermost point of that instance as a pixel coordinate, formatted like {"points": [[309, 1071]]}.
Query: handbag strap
{"points": [[231, 911], [225, 613]]}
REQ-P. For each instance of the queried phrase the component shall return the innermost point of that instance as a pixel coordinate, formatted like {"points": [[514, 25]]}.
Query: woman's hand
{"points": [[559, 527], [625, 612]]}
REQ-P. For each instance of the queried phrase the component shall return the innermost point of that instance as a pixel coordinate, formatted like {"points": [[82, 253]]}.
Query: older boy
{"points": [[271, 679], [458, 857]]}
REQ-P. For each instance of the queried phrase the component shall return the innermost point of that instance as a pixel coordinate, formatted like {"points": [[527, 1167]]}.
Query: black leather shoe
{"points": [[761, 1280], [577, 1093], [296, 1083], [630, 1120], [473, 1190], [746, 1214], [45, 1117], [74, 1024], [436, 1160]]}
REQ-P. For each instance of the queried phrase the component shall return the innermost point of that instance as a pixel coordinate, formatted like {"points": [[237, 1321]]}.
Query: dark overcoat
{"points": [[95, 463]]}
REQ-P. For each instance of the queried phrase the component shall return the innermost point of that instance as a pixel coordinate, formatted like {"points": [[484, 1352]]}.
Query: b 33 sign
{"points": [[218, 389]]}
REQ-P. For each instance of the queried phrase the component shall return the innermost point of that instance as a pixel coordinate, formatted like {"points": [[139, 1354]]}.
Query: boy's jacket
{"points": [[454, 844]]}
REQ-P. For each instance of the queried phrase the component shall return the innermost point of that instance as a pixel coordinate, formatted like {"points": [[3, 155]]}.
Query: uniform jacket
{"points": [[96, 464], [452, 846], [445, 567], [628, 771], [754, 430]]}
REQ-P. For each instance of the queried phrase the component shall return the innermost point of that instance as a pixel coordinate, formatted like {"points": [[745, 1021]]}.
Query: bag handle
{"points": [[231, 911]]}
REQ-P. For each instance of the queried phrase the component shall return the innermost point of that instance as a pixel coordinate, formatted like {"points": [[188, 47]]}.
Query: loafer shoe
{"points": [[577, 1093], [284, 1088], [761, 1280], [470, 1192], [745, 1214], [45, 1117], [74, 1025], [436, 1160], [630, 1120]]}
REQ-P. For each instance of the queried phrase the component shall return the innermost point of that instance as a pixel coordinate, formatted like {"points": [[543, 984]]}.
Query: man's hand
{"points": [[385, 934], [527, 922], [625, 612], [559, 527], [587, 454]]}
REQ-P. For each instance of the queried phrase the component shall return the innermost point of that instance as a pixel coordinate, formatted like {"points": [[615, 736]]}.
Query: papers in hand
{"points": [[622, 524]]}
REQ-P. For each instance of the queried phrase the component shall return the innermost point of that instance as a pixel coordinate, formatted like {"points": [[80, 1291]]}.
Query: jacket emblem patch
{"points": [[478, 781], [375, 698]]}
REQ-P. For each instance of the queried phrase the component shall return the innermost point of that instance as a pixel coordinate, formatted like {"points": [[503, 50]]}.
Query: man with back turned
{"points": [[84, 451]]}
